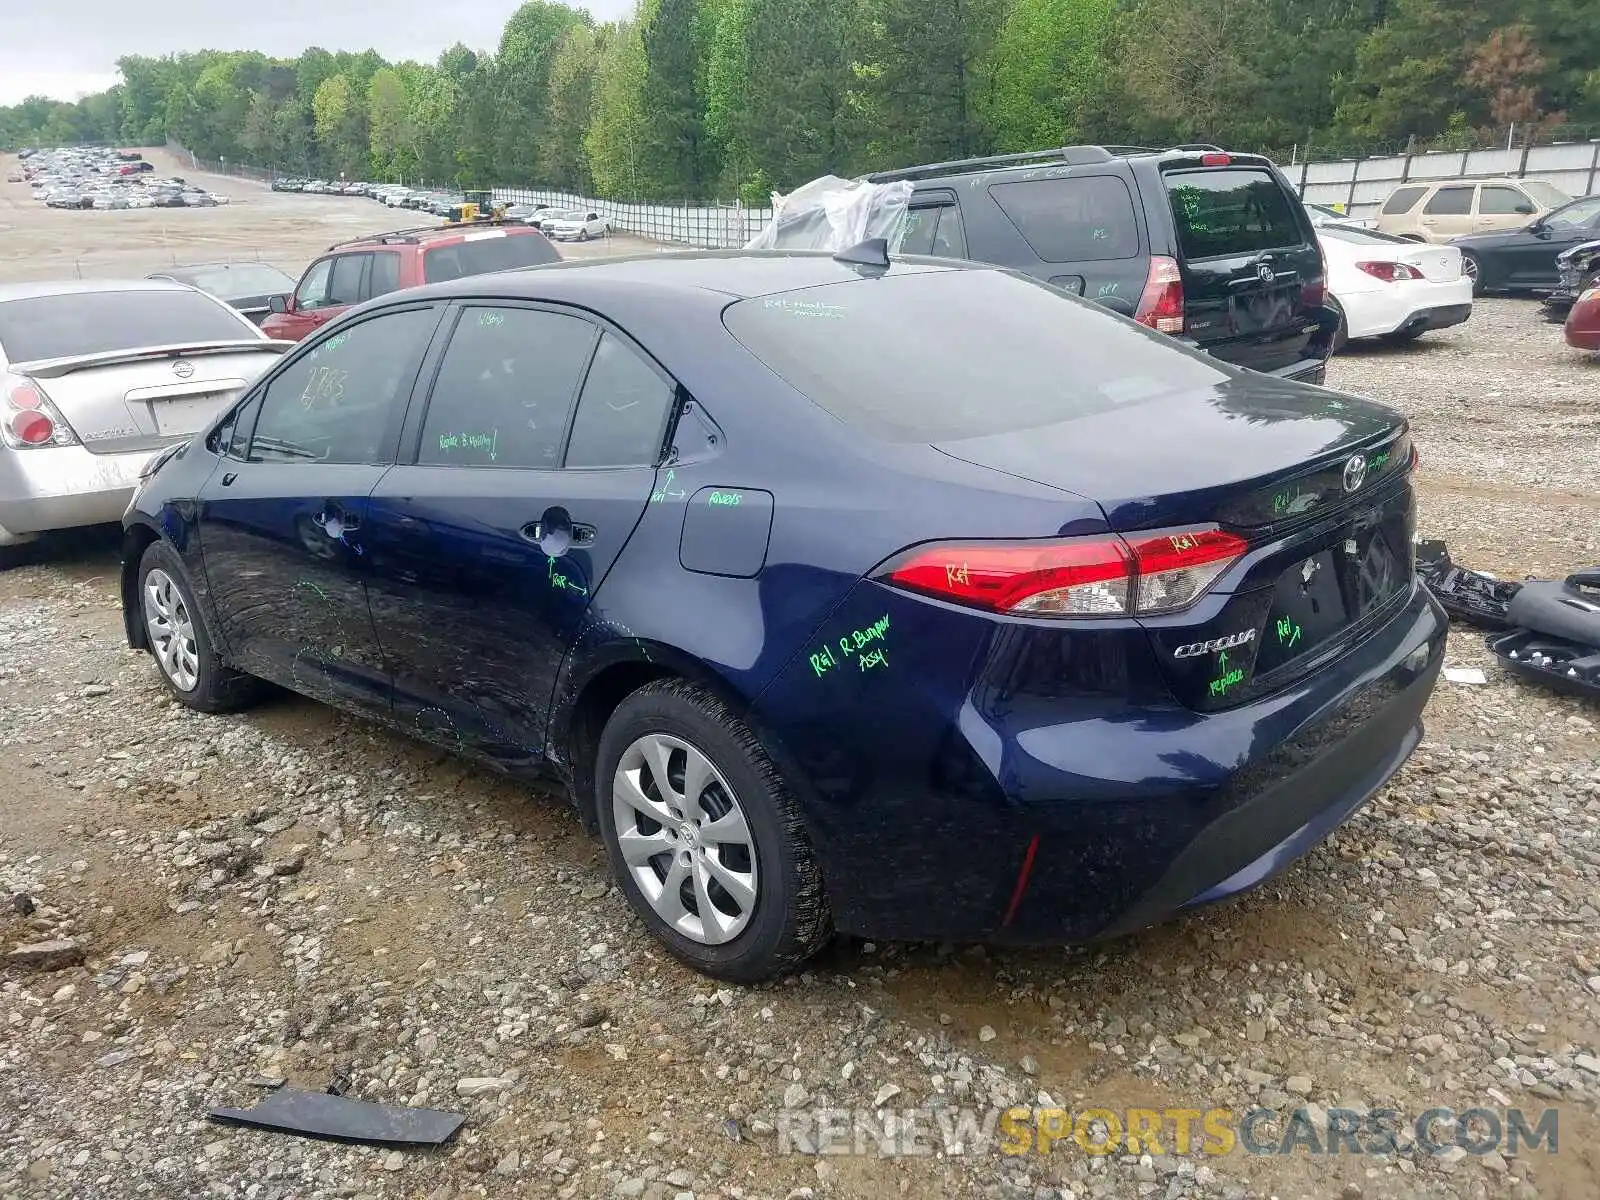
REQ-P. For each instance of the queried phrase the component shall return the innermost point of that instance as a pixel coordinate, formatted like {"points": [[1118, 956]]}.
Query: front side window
{"points": [[1503, 201], [1585, 214], [506, 388], [313, 289], [341, 401], [622, 415]]}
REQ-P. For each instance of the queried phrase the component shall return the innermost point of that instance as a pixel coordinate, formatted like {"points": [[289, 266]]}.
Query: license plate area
{"points": [[1264, 308], [183, 415]]}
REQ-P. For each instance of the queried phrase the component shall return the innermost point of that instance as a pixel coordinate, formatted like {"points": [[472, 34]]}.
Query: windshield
{"points": [[1577, 215], [75, 323], [1547, 195], [237, 279], [898, 358]]}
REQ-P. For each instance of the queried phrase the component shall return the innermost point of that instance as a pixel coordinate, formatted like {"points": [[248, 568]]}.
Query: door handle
{"points": [[229, 478], [583, 535]]}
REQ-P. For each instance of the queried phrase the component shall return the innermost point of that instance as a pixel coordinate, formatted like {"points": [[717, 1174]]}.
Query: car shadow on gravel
{"points": [[88, 550]]}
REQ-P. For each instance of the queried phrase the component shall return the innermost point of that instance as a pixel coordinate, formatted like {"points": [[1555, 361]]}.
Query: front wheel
{"points": [[704, 838], [179, 641]]}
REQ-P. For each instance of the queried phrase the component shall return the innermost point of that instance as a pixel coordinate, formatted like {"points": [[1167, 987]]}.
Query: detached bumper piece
{"points": [[1466, 595], [319, 1115], [1554, 662], [1556, 641]]}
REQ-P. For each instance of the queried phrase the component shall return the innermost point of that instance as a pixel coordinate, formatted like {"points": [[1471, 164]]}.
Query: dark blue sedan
{"points": [[912, 601]]}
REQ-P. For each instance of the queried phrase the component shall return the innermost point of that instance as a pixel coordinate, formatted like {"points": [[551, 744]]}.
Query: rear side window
{"points": [[934, 229], [1449, 202], [506, 388], [1502, 201], [1228, 212], [623, 413], [896, 358], [479, 254], [95, 322], [1402, 200], [1083, 219]]}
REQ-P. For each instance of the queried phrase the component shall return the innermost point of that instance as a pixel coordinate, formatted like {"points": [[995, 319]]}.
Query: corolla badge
{"points": [[182, 369], [1195, 649], [1355, 472]]}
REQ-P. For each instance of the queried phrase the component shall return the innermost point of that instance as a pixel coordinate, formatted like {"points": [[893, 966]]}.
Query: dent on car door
{"points": [[281, 525], [486, 553]]}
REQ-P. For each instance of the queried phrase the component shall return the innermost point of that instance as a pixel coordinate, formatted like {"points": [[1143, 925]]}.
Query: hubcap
{"points": [[171, 630], [1469, 267], [684, 838]]}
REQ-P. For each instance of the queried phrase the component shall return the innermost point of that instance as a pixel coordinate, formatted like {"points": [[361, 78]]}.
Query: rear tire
{"points": [[675, 750], [1341, 335], [1473, 270], [180, 643]]}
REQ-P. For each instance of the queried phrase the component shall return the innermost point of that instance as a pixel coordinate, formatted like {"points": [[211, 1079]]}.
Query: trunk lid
{"points": [[1251, 266], [1438, 264], [136, 400]]}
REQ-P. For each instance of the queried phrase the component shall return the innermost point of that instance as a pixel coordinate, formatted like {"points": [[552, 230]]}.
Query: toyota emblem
{"points": [[1264, 273], [1355, 473], [182, 369]]}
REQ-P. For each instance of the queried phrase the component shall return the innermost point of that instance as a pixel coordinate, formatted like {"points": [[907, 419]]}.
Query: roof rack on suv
{"points": [[410, 237], [1072, 155], [1206, 146]]}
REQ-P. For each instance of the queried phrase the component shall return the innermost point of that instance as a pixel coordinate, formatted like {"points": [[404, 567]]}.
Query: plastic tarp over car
{"points": [[834, 214]]}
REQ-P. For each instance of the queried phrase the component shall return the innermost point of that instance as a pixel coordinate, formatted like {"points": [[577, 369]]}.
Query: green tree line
{"points": [[690, 99]]}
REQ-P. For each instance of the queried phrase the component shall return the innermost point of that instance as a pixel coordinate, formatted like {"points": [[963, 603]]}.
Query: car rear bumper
{"points": [[1406, 307], [1056, 817], [64, 487]]}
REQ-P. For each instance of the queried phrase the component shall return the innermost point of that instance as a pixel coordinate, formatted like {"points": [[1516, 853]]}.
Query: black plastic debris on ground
{"points": [[1469, 595], [1554, 662], [337, 1119], [1556, 641]]}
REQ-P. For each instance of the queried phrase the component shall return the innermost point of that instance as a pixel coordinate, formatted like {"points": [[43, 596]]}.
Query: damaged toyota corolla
{"points": [[912, 600]]}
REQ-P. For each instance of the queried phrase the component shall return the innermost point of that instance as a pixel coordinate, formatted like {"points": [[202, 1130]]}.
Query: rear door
{"points": [[135, 369], [487, 551], [1448, 212], [1251, 267]]}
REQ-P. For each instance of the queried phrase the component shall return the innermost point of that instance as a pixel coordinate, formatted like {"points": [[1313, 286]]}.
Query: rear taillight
{"points": [[1161, 303], [1142, 574], [27, 418], [1312, 293], [1389, 272]]}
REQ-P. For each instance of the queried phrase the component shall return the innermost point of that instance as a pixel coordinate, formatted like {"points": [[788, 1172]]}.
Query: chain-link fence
{"points": [[713, 226]]}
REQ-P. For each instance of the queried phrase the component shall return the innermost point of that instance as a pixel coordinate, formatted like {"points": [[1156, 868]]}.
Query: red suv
{"points": [[351, 272]]}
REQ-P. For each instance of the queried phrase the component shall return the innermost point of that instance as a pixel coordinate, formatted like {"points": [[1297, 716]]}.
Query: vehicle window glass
{"points": [[1402, 200], [1547, 194], [70, 324], [1581, 215], [385, 274], [479, 254], [920, 226], [505, 388], [951, 240], [622, 414], [1229, 212], [313, 289], [1450, 202], [233, 435], [1072, 220], [1501, 201], [346, 285], [339, 401], [900, 361]]}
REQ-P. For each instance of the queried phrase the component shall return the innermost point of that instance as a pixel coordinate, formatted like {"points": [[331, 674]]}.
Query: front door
{"points": [[535, 459], [282, 530]]}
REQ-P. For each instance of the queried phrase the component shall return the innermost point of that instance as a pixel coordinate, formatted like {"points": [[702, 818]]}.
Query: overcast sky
{"points": [[64, 48]]}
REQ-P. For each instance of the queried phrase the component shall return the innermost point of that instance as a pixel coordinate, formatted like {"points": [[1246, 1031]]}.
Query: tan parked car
{"points": [[1441, 209]]}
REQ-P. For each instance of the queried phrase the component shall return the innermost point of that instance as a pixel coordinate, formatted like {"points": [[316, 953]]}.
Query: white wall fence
{"points": [[1361, 185]]}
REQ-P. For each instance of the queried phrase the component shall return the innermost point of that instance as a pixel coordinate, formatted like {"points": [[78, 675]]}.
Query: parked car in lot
{"points": [[246, 286], [1524, 259], [1322, 217], [916, 601], [1450, 208], [359, 270], [579, 225], [1577, 270], [1208, 246], [1582, 329], [1393, 288], [97, 376]]}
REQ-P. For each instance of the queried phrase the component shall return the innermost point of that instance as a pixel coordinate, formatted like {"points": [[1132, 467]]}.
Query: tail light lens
{"points": [[27, 418], [1312, 293], [1161, 303], [1389, 272], [1144, 574]]}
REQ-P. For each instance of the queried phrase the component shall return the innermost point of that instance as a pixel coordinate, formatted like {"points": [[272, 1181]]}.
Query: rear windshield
{"points": [[502, 252], [937, 356], [94, 322], [1238, 210]]}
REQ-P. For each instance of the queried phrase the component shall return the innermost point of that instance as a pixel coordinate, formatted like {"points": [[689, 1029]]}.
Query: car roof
{"points": [[430, 235], [719, 274], [78, 287]]}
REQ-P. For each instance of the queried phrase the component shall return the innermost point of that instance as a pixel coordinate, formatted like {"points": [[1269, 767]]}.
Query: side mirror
{"points": [[278, 304], [1117, 304]]}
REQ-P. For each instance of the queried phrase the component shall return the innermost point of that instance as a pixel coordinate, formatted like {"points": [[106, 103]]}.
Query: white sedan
{"points": [[579, 225], [1391, 288]]}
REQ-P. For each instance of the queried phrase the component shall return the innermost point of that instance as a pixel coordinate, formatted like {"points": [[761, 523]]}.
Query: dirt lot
{"points": [[290, 894]]}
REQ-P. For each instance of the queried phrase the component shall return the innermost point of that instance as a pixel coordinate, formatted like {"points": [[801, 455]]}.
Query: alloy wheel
{"points": [[1469, 268], [685, 839], [171, 629]]}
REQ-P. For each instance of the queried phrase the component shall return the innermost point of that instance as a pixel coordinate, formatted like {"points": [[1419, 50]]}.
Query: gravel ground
{"points": [[291, 894]]}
